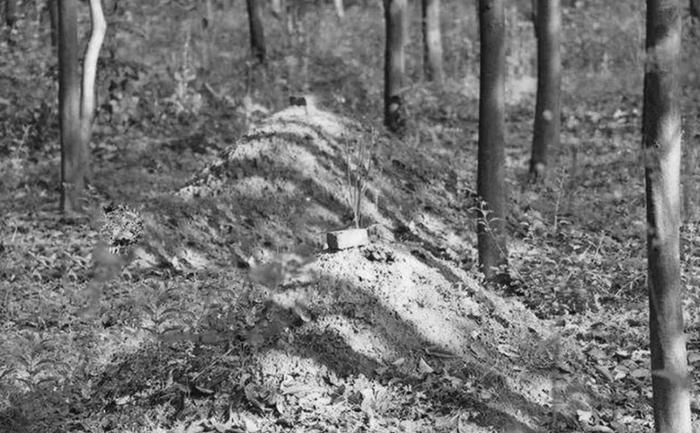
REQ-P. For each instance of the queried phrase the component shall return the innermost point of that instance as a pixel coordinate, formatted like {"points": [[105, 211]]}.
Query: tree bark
{"points": [[257, 37], [491, 155], [339, 8], [92, 53], [52, 6], [432, 41], [548, 108], [661, 132], [10, 13], [72, 147], [395, 18], [207, 33], [76, 99], [695, 8]]}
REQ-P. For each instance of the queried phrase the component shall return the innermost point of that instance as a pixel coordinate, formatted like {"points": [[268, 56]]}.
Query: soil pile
{"points": [[402, 307]]}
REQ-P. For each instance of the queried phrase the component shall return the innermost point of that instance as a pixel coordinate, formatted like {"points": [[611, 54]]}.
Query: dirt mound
{"points": [[405, 306], [294, 177], [293, 169]]}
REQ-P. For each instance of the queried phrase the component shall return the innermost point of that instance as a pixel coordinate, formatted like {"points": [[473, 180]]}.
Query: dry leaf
{"points": [[424, 367]]}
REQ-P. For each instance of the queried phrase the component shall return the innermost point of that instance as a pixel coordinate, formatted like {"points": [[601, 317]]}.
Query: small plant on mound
{"points": [[359, 152]]}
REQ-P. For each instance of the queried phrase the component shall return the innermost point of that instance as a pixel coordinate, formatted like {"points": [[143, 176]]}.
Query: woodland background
{"points": [[185, 339]]}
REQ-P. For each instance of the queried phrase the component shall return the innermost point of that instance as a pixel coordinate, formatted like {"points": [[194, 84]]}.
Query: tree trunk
{"points": [[257, 37], [92, 52], [695, 8], [276, 8], [207, 21], [548, 108], [432, 41], [339, 8], [52, 6], [395, 18], [10, 13], [491, 156], [661, 133], [76, 99], [72, 147]]}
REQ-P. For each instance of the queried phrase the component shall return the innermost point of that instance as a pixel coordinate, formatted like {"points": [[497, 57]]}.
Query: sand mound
{"points": [[404, 304], [293, 169]]}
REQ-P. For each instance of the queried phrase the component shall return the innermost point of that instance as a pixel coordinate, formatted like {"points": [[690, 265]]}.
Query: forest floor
{"points": [[225, 311]]}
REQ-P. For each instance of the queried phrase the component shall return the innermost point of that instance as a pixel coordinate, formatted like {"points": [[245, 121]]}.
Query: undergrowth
{"points": [[177, 346]]}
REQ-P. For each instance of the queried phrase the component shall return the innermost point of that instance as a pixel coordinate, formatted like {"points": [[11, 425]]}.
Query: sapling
{"points": [[358, 165]]}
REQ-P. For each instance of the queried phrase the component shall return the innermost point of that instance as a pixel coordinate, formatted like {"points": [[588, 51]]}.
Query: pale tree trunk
{"points": [[339, 8], [661, 132], [277, 8], [76, 100], [491, 233], [432, 41], [395, 19], [92, 53], [299, 40], [257, 37], [548, 107]]}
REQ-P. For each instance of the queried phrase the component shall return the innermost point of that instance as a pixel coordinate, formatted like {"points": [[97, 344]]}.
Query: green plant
{"points": [[483, 217], [12, 169], [358, 153], [34, 365], [164, 313]]}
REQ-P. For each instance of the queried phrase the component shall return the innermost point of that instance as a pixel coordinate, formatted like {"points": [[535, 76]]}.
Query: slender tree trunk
{"points": [[662, 157], [72, 147], [276, 8], [695, 8], [257, 37], [548, 108], [339, 8], [432, 41], [491, 155], [395, 18], [52, 6], [92, 52], [10, 13], [208, 33], [76, 99]]}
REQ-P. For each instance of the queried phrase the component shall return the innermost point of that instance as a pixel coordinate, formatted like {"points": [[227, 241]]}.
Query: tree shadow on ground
{"points": [[329, 348], [172, 374], [183, 374]]}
